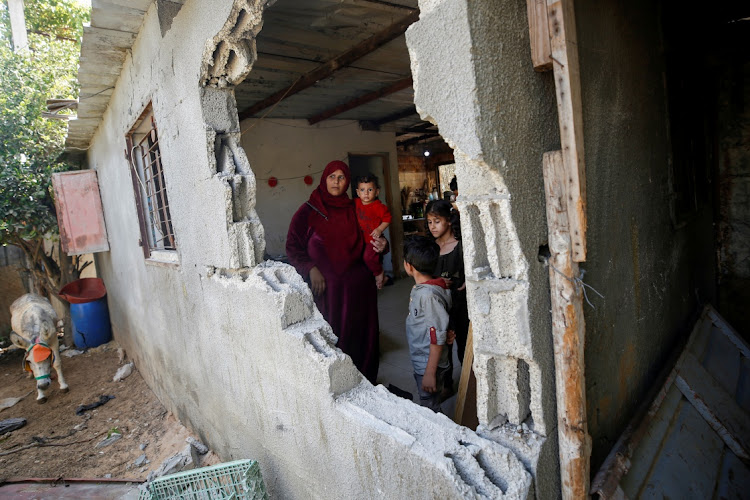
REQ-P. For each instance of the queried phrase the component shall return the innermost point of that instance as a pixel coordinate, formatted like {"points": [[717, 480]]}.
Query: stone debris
{"points": [[121, 355], [81, 426], [111, 439], [141, 461], [143, 446], [72, 352], [123, 373], [201, 448], [176, 463]]}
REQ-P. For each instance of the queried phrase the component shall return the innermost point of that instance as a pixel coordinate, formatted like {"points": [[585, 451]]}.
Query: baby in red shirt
{"points": [[373, 217]]}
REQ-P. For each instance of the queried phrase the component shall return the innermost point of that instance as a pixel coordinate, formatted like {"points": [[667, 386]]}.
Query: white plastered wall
{"points": [[233, 346], [291, 149]]}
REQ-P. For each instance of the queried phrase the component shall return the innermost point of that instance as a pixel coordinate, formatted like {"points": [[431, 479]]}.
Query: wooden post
{"points": [[568, 330], [562, 30], [466, 399], [539, 35]]}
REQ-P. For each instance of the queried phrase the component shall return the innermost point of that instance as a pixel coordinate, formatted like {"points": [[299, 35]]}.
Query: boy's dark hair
{"points": [[445, 209], [365, 179], [422, 253]]}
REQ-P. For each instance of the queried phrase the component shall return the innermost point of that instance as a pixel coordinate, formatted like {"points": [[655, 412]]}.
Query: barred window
{"points": [[147, 173]]}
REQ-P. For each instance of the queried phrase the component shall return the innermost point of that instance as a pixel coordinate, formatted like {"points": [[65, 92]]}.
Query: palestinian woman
{"points": [[325, 245]]}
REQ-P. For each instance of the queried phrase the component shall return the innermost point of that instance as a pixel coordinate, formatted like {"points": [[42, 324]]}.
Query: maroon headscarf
{"points": [[335, 220]]}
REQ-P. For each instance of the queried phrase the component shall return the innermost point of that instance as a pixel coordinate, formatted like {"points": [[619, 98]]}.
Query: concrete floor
{"points": [[395, 364]]}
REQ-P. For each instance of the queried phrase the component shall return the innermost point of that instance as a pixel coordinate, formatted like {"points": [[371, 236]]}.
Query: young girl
{"points": [[444, 224]]}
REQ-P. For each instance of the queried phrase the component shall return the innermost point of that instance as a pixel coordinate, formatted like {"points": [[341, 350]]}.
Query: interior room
{"points": [[298, 112]]}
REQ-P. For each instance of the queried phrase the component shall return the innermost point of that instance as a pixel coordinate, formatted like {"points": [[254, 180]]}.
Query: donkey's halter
{"points": [[30, 351]]}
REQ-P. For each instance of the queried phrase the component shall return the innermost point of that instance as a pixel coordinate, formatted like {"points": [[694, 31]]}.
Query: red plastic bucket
{"points": [[83, 290]]}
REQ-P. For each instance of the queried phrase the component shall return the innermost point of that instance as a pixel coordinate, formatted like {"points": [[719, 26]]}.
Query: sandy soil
{"points": [[68, 441]]}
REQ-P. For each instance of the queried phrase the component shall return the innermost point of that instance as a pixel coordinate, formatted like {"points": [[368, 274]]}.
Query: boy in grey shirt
{"points": [[427, 323]]}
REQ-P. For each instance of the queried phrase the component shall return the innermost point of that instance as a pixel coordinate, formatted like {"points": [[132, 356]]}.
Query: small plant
{"points": [[113, 430]]}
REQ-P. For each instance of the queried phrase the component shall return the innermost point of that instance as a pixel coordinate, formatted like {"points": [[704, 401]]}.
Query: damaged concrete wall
{"points": [[476, 82], [651, 274], [268, 144], [235, 347]]}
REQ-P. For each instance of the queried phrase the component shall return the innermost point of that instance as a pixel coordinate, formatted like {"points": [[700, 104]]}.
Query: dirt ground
{"points": [[68, 441]]}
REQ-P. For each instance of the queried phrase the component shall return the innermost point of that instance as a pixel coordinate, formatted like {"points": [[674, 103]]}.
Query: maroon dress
{"points": [[349, 302]]}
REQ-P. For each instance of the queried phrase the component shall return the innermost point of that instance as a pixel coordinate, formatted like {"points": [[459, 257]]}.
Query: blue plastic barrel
{"points": [[91, 325], [88, 312]]}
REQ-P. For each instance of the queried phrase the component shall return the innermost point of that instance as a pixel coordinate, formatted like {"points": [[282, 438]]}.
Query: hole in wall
{"points": [[544, 253]]}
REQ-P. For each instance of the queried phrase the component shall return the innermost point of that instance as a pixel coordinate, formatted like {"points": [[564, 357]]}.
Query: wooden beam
{"points": [[568, 331], [341, 61], [415, 140], [415, 129], [361, 100], [570, 115], [541, 53], [376, 124], [718, 408]]}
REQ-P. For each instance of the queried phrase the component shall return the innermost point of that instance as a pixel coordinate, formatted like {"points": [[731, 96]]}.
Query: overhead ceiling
{"points": [[351, 52], [304, 37]]}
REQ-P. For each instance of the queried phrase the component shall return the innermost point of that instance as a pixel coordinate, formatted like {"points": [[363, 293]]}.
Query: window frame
{"points": [[150, 162]]}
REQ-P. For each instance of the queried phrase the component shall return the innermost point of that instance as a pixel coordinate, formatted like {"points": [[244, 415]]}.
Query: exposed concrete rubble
{"points": [[230, 55], [478, 468], [513, 355]]}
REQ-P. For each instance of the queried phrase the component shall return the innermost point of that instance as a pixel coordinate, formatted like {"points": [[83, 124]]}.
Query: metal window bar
{"points": [[160, 220]]}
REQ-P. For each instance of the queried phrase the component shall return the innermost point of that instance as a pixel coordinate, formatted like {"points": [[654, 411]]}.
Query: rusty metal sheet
{"points": [[693, 440], [79, 212]]}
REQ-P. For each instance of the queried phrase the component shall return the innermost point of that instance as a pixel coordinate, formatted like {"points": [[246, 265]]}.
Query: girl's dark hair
{"points": [[444, 209]]}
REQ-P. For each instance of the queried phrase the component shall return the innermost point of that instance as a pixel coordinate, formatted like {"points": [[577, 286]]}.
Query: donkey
{"points": [[34, 321]]}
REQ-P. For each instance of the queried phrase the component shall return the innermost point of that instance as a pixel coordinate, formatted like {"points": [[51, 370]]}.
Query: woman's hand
{"points": [[317, 281], [378, 244]]}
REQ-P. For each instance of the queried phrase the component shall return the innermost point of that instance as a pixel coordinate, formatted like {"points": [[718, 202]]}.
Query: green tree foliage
{"points": [[30, 146]]}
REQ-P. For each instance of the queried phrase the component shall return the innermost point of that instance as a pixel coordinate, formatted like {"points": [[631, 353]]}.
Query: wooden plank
{"points": [[730, 332], [722, 360], [539, 35], [718, 408], [325, 70], [568, 333], [466, 399], [570, 115], [361, 100], [734, 477], [687, 462]]}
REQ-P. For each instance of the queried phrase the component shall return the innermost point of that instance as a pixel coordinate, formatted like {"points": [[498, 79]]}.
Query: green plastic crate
{"points": [[240, 479]]}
